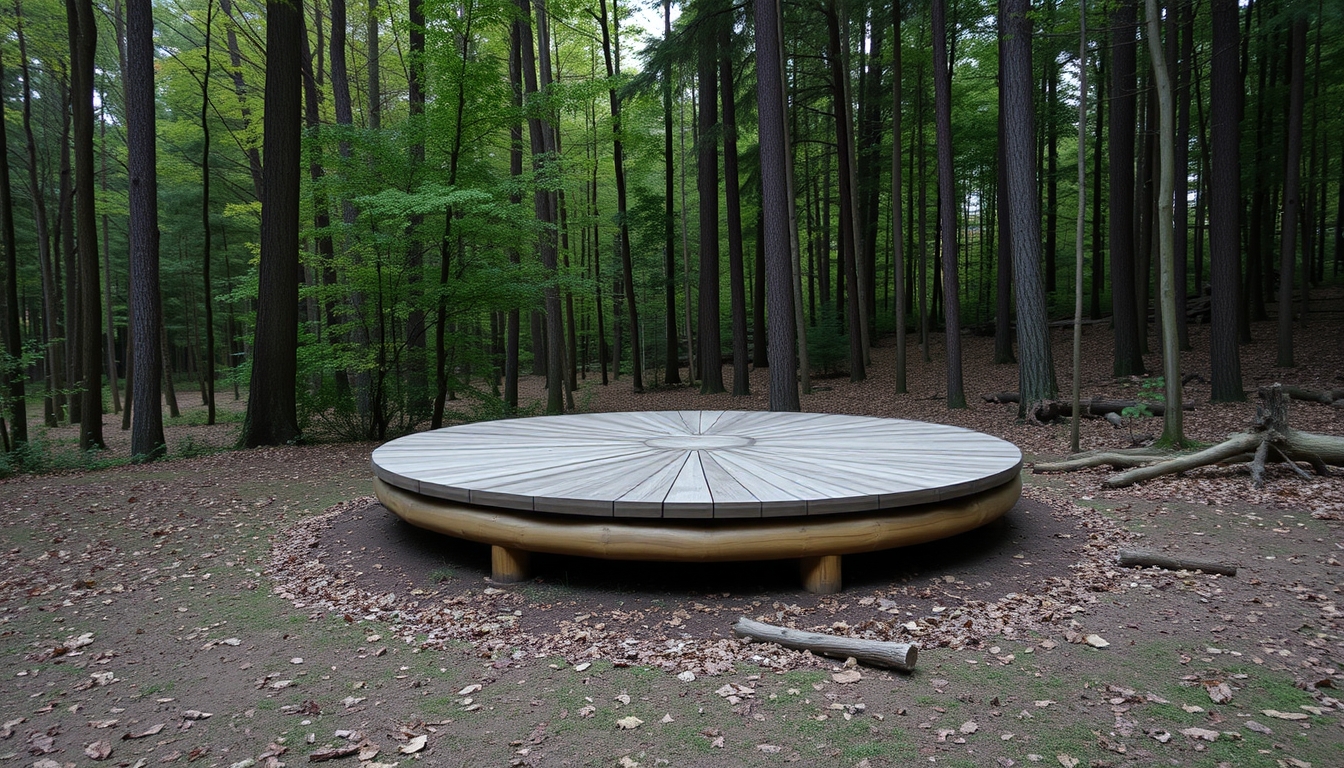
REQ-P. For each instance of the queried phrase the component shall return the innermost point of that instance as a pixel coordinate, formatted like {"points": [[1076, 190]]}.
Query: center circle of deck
{"points": [[700, 442]]}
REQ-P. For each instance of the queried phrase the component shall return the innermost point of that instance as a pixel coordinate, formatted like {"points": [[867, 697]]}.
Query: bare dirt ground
{"points": [[257, 608]]}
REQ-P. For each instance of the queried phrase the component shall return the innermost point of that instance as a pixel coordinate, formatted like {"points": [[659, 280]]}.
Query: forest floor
{"points": [[259, 607]]}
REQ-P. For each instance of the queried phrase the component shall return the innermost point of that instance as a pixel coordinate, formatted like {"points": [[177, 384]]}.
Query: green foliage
{"points": [[827, 344]]}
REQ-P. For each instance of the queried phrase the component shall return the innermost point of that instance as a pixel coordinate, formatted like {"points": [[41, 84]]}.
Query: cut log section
{"points": [[1141, 558], [874, 653]]}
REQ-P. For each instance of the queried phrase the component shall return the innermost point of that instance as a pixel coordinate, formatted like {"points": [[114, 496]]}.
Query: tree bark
{"points": [[272, 417], [1139, 558], [13, 373], [874, 653], [1036, 372], [146, 314], [1173, 432], [898, 234], [672, 366], [1225, 206], [83, 38], [839, 74], [707, 183], [1003, 267], [947, 196], [1128, 357], [775, 206], [737, 279], [1292, 190], [611, 54]]}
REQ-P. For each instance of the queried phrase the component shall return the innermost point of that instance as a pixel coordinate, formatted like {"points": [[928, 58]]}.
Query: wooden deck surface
{"points": [[698, 464]]}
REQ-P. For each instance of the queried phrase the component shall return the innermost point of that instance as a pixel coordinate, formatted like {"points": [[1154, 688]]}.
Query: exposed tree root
{"points": [[1270, 439]]}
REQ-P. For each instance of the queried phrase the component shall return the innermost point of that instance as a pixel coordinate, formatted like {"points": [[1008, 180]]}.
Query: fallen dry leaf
{"points": [[1285, 715], [414, 745], [769, 749], [1200, 733], [332, 753], [1219, 693], [970, 726], [1096, 641], [1068, 761], [629, 723], [150, 731], [196, 714], [98, 750], [847, 676]]}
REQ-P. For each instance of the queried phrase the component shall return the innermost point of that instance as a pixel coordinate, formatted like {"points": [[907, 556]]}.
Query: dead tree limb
{"points": [[1140, 558], [1270, 430], [874, 653]]}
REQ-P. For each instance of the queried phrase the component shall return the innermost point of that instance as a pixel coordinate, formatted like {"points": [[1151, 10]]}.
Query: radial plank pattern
{"points": [[698, 464]]}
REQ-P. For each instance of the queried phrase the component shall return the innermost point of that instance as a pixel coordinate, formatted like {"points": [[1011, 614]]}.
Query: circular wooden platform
{"points": [[698, 485], [697, 464]]}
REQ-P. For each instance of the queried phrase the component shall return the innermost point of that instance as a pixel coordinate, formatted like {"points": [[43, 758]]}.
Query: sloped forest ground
{"points": [[259, 608]]}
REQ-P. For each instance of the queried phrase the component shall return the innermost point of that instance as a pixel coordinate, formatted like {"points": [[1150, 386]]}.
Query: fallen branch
{"points": [[1270, 431], [874, 653], [1140, 558], [1328, 397]]}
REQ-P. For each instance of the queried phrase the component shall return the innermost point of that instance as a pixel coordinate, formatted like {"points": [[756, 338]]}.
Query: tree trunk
{"points": [[12, 374], [839, 74], [733, 199], [1037, 370], [1225, 206], [775, 205], [83, 37], [871, 652], [1292, 190], [898, 235], [611, 54], [1128, 357], [1098, 211], [1173, 433], [54, 368], [1003, 268], [272, 417], [947, 195], [205, 231], [1186, 25], [146, 313], [673, 363], [707, 183]]}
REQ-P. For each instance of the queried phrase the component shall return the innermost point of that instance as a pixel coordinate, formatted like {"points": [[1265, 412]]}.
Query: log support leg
{"points": [[821, 575], [508, 565]]}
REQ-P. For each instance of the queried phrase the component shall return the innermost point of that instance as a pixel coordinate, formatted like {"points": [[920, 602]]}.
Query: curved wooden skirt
{"points": [[818, 541]]}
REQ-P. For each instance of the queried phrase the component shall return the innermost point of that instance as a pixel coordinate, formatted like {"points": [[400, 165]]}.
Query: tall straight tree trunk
{"points": [[947, 209], [1099, 212], [146, 312], [1225, 205], [1292, 189], [169, 382], [83, 37], [707, 184], [512, 329], [671, 341], [13, 377], [737, 279], [1036, 374], [537, 81], [776, 202], [446, 245], [1051, 174], [759, 336], [849, 244], [1003, 293], [64, 260], [206, 229], [611, 54], [1128, 350], [272, 417], [1080, 229], [55, 380], [898, 235], [1186, 24], [1173, 433]]}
